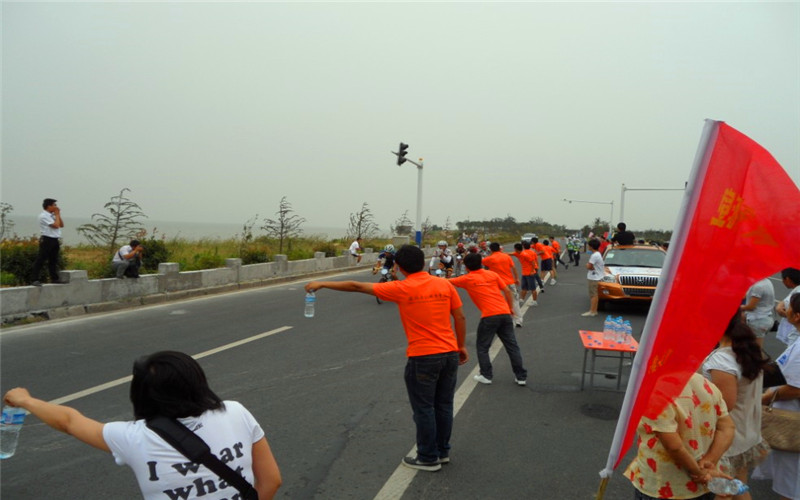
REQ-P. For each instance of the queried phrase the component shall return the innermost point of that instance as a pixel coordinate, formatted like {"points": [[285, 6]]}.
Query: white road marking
{"points": [[124, 380]]}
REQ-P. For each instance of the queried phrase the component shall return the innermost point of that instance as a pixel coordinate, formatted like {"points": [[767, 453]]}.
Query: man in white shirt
{"points": [[759, 302], [355, 247], [50, 225], [787, 333], [596, 269], [128, 260]]}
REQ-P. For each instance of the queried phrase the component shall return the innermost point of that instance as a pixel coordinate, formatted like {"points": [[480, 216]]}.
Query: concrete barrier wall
{"points": [[80, 295]]}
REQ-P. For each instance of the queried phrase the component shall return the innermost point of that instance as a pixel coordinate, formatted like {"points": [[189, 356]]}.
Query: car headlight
{"points": [[608, 279]]}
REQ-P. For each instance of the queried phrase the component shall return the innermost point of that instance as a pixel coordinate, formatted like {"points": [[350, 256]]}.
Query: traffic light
{"points": [[401, 154]]}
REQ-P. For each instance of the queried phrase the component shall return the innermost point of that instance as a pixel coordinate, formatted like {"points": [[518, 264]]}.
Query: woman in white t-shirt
{"points": [[171, 384], [736, 368]]}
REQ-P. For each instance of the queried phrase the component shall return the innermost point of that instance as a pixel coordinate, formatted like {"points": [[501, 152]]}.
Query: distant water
{"points": [[25, 225]]}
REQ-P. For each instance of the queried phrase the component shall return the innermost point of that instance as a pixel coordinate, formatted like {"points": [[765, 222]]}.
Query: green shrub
{"points": [[253, 256], [205, 261], [17, 256], [155, 252]]}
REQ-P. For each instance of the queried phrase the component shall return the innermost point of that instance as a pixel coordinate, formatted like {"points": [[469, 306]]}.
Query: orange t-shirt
{"points": [[527, 261], [502, 264], [538, 248], [485, 288], [547, 252], [425, 303], [535, 259], [556, 245]]}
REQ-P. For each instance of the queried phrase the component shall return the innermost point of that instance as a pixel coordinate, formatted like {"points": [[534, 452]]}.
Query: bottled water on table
{"points": [[311, 302], [722, 486], [628, 333], [10, 425], [608, 328]]}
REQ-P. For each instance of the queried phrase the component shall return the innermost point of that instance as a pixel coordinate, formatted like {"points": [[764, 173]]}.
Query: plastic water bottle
{"points": [[608, 328], [10, 425], [628, 332], [311, 302], [722, 486]]}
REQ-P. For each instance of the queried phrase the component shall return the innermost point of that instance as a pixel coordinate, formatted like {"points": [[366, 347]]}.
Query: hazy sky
{"points": [[214, 111]]}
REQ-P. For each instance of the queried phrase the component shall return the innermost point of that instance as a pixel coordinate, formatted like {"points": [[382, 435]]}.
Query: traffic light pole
{"points": [[400, 160]]}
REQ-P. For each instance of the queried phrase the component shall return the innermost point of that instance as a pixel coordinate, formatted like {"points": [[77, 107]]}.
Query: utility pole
{"points": [[401, 158]]}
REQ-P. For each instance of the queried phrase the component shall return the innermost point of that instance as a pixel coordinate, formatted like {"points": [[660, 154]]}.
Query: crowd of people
{"points": [[711, 429]]}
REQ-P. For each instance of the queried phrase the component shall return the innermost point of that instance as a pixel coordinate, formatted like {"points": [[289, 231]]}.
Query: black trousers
{"points": [[48, 251]]}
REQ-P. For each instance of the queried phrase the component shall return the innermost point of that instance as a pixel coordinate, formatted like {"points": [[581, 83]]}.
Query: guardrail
{"points": [[79, 295]]}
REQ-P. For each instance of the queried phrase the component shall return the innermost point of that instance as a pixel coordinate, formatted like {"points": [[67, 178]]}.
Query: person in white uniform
{"points": [[50, 224]]}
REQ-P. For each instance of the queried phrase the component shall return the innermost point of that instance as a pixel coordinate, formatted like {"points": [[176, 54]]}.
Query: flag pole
{"points": [[688, 205]]}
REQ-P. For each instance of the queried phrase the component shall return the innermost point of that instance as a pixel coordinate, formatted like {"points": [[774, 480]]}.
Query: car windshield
{"points": [[634, 257]]}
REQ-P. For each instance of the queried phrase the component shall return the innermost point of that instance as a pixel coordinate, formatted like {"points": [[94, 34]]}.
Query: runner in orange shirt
{"points": [[503, 265], [547, 262], [527, 262], [494, 299], [434, 352], [557, 255]]}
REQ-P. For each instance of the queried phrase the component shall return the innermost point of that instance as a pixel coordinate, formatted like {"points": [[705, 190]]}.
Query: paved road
{"points": [[329, 393]]}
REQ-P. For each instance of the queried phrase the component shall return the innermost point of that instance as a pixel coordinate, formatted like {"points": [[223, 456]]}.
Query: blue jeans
{"points": [[503, 326], [431, 385]]}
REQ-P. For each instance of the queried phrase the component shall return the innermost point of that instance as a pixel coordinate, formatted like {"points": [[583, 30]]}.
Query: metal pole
{"points": [[622, 204], [419, 203], [610, 223]]}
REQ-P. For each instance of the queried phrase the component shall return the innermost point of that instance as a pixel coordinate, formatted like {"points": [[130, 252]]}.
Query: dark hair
{"points": [[473, 261], [748, 353], [534, 240], [518, 247], [791, 273], [48, 202], [526, 245], [621, 226], [594, 244], [494, 246], [410, 259], [134, 243], [546, 243], [794, 302], [170, 384]]}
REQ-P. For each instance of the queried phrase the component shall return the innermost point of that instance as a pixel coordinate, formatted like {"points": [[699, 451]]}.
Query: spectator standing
{"points": [[434, 352], [787, 332], [173, 385], [50, 224], [758, 306], [675, 460], [783, 467], [623, 236], [736, 367], [494, 299], [128, 259], [596, 268], [355, 248], [503, 265]]}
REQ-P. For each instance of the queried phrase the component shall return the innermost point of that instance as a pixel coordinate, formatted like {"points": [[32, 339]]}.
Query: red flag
{"points": [[740, 222]]}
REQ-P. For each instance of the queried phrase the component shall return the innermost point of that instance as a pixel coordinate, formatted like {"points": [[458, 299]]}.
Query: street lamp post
{"points": [[611, 218], [625, 188]]}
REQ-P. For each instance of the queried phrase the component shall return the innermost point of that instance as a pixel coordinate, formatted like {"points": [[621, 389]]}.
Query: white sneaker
{"points": [[589, 313], [552, 282], [483, 380], [520, 382], [534, 303]]}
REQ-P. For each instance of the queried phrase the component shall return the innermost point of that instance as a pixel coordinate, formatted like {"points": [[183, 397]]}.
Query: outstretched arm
{"points": [[342, 286], [60, 418]]}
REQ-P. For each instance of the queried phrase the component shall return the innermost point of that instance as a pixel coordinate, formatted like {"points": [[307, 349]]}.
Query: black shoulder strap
{"points": [[196, 450]]}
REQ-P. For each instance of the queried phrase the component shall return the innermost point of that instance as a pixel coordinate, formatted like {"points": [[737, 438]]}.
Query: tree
{"points": [[286, 226], [362, 224], [402, 226], [427, 227], [121, 222], [6, 224]]}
